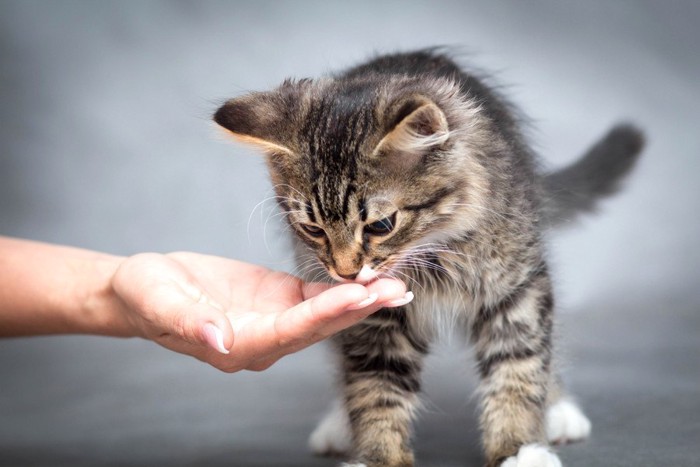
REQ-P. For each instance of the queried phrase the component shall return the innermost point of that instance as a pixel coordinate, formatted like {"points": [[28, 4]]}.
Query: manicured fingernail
{"points": [[400, 301], [215, 338], [366, 302]]}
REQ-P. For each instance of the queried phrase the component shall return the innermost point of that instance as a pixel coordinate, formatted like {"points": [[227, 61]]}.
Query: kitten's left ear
{"points": [[260, 118], [415, 125]]}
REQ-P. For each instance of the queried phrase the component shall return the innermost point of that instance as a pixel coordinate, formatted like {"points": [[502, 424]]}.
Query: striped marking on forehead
{"points": [[310, 212], [349, 191], [335, 129], [333, 201], [338, 140]]}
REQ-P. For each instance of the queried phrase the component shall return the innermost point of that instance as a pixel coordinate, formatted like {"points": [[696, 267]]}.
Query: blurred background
{"points": [[106, 143]]}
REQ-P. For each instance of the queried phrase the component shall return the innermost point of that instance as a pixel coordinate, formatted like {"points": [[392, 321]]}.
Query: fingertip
{"points": [[388, 289], [224, 324], [214, 336], [344, 297], [217, 332], [397, 302], [365, 303]]}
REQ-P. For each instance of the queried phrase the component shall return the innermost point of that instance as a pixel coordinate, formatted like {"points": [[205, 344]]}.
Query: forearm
{"points": [[50, 289]]}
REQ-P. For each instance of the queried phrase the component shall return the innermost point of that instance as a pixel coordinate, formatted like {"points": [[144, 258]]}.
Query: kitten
{"points": [[408, 166]]}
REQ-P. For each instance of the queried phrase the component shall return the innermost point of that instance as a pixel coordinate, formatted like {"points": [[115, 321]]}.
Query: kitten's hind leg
{"points": [[332, 436]]}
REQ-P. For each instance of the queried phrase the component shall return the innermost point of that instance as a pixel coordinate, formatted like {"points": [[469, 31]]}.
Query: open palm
{"points": [[183, 300]]}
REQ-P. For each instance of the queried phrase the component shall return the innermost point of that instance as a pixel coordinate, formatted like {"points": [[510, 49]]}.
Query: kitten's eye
{"points": [[313, 230], [382, 226]]}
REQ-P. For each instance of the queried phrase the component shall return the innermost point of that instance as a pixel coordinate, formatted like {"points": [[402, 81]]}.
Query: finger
{"points": [[264, 338], [201, 320], [386, 288], [298, 324], [183, 311], [332, 310], [165, 301], [390, 293]]}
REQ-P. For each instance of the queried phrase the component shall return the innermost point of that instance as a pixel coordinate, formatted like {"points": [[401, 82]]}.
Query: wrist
{"points": [[101, 309]]}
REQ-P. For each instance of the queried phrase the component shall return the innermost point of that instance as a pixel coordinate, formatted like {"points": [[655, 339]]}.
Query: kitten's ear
{"points": [[259, 118], [415, 125]]}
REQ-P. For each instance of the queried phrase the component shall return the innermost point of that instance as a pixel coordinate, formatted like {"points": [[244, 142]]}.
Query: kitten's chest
{"points": [[441, 312], [449, 295]]}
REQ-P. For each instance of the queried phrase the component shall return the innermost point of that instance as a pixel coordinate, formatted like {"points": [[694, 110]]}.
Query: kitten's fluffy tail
{"points": [[577, 188]]}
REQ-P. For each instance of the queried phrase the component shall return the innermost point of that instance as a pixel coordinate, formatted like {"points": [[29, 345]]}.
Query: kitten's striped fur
{"points": [[412, 144]]}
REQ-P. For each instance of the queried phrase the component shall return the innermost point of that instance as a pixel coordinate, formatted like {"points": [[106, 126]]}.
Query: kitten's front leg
{"points": [[382, 358], [513, 350]]}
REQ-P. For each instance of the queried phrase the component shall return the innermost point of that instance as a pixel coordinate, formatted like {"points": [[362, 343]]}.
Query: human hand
{"points": [[235, 315]]}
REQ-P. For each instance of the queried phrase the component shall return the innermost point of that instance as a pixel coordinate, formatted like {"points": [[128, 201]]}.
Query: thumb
{"points": [[200, 319], [165, 303]]}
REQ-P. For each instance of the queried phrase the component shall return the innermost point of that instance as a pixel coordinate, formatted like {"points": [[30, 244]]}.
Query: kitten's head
{"points": [[368, 172]]}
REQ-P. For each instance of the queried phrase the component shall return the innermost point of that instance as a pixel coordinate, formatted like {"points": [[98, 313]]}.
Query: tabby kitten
{"points": [[408, 166]]}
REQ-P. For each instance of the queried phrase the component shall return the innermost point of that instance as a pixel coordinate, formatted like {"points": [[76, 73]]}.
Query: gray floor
{"points": [[105, 143]]}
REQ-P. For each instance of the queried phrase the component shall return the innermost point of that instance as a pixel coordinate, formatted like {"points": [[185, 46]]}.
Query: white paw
{"points": [[533, 455], [352, 465], [332, 436], [566, 423]]}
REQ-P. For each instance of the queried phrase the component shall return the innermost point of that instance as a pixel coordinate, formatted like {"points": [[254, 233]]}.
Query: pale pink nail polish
{"points": [[400, 301], [215, 338], [366, 302]]}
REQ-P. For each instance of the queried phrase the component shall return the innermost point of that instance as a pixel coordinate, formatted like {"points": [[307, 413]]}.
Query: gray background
{"points": [[105, 143]]}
